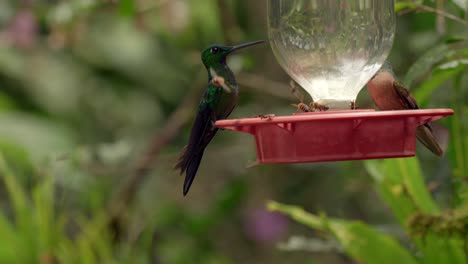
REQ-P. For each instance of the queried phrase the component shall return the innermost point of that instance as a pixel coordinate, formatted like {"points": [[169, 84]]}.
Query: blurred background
{"points": [[97, 100]]}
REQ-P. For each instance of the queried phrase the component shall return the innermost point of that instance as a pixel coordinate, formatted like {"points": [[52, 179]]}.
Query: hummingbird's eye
{"points": [[214, 50]]}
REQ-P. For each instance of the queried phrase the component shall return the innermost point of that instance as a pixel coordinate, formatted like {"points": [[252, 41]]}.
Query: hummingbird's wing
{"points": [[426, 136], [425, 132], [203, 130], [405, 96]]}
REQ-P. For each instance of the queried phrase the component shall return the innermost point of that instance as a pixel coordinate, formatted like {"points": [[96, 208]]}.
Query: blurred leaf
{"points": [[6, 102], [458, 151], [439, 76], [205, 23], [23, 214], [40, 137], [403, 5], [463, 4], [431, 57], [16, 193], [361, 242], [43, 198], [230, 199], [400, 179], [414, 183], [459, 139], [318, 245], [225, 204], [401, 184], [127, 8], [12, 62], [390, 186], [425, 62], [9, 241], [61, 13]]}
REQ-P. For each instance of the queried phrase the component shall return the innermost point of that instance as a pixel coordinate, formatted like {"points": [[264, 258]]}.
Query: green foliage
{"points": [[37, 227], [87, 85], [401, 184], [361, 242]]}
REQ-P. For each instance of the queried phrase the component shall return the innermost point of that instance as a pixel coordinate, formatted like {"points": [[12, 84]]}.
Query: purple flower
{"points": [[22, 30], [266, 227]]}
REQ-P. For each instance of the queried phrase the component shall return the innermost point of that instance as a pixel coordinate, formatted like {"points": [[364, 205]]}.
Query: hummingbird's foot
{"points": [[252, 164], [353, 105], [318, 107], [267, 116], [213, 124], [302, 107]]}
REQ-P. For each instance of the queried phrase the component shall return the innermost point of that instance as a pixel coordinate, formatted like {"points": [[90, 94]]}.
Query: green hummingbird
{"points": [[389, 94], [217, 103]]}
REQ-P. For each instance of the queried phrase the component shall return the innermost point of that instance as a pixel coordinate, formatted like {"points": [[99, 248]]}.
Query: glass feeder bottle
{"points": [[331, 47]]}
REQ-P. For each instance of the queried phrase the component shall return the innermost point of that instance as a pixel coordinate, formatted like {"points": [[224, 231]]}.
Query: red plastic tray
{"points": [[335, 135]]}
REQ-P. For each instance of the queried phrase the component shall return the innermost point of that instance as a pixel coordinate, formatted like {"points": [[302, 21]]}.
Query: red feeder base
{"points": [[335, 135]]}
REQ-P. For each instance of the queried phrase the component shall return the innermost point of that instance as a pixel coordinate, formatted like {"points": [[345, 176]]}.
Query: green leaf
{"points": [[41, 138], [23, 213], [425, 62], [360, 241], [460, 145], [433, 56], [16, 193], [298, 214], [400, 183], [404, 5], [463, 4], [439, 77], [127, 8], [390, 186], [458, 151], [366, 245], [8, 240], [413, 180], [44, 215]]}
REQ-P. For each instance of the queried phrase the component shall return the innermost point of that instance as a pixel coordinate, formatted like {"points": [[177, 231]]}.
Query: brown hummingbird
{"points": [[389, 94]]}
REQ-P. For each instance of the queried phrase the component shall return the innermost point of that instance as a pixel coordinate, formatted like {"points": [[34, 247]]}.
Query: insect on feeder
{"points": [[332, 48]]}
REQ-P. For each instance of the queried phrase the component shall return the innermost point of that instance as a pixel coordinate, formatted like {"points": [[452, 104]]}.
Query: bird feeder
{"points": [[332, 49], [336, 135]]}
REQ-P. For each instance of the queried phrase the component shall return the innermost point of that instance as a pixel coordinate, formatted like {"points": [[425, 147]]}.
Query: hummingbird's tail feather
{"points": [[191, 172], [188, 163], [442, 136], [182, 161], [425, 135], [203, 130]]}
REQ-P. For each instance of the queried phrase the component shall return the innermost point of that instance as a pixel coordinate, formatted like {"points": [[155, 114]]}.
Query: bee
{"points": [[263, 116], [318, 107], [301, 106]]}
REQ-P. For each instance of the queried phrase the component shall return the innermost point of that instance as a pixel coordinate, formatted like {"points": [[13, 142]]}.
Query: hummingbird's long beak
{"points": [[245, 45]]}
